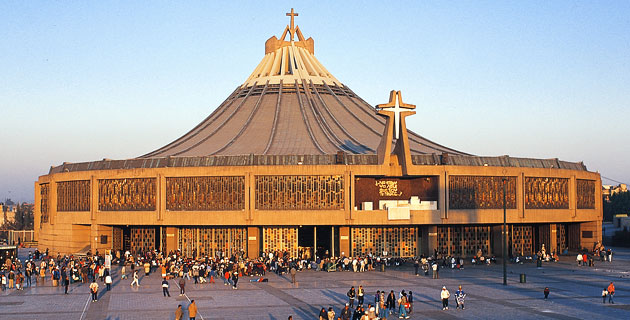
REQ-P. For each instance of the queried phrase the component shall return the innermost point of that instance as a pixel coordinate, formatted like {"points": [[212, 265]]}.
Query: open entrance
{"points": [[137, 240], [317, 241]]}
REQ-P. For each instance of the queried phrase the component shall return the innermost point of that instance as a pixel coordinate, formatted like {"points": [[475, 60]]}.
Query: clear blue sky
{"points": [[86, 80]]}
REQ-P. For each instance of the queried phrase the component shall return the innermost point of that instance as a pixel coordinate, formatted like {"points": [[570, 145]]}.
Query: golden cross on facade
{"points": [[397, 106], [292, 30]]}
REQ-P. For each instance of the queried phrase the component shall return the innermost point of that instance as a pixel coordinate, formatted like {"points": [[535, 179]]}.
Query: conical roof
{"points": [[290, 105]]}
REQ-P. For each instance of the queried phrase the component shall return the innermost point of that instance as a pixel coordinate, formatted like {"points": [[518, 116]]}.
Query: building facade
{"points": [[294, 160]]}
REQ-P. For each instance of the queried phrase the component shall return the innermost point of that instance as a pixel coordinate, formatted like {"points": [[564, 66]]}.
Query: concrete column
{"points": [[553, 239], [348, 194], [590, 233], [352, 188], [250, 195], [253, 243], [52, 202], [443, 195], [573, 196], [37, 212], [161, 197], [171, 239], [430, 240], [520, 195], [332, 241], [344, 241], [314, 241]]}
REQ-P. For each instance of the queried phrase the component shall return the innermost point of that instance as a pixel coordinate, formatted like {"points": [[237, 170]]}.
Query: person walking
{"points": [[179, 313], [165, 287], [293, 272], [604, 294], [546, 292], [135, 279], [361, 295], [94, 290], [444, 294], [410, 301], [182, 286], [611, 293], [351, 295], [192, 310], [436, 268], [108, 282], [460, 296]]}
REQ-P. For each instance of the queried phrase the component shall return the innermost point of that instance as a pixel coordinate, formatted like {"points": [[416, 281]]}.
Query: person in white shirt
{"points": [[444, 294]]}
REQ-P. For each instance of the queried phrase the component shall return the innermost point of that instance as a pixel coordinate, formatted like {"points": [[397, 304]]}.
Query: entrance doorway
{"points": [[317, 241]]}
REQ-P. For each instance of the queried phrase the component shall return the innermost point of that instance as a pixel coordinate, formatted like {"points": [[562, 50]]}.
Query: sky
{"points": [[87, 80]]}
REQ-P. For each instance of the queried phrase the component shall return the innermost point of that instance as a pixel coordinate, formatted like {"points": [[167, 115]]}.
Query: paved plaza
{"points": [[575, 294]]}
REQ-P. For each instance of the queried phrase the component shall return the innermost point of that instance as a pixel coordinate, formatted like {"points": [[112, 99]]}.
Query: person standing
{"points": [[546, 292], [611, 293], [331, 314], [108, 282], [182, 286], [604, 294], [165, 288], [361, 295], [94, 290], [66, 283], [179, 313], [123, 272], [234, 279], [416, 266], [135, 279], [192, 310], [351, 295], [460, 296], [293, 272], [410, 301], [402, 307], [391, 302], [436, 274], [444, 294], [345, 313]]}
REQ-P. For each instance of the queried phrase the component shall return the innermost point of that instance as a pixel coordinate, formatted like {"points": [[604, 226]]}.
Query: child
{"points": [[604, 294]]}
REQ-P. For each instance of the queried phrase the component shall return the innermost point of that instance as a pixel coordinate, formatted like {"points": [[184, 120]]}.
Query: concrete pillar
{"points": [[443, 196], [344, 241], [253, 242], [553, 239], [590, 234], [332, 241], [430, 243], [171, 239], [37, 212]]}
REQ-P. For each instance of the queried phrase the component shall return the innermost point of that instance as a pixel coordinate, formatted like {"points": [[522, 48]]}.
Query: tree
{"points": [[619, 203], [23, 218]]}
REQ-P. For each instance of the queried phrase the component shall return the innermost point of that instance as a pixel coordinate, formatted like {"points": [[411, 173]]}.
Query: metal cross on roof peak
{"points": [[292, 29], [397, 106]]}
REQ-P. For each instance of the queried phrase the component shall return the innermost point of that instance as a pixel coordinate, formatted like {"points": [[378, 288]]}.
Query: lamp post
{"points": [[504, 238]]}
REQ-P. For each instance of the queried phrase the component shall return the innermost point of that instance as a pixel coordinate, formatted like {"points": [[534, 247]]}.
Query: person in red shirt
{"points": [[611, 292]]}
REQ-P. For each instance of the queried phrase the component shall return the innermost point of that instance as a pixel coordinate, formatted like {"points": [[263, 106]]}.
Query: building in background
{"points": [[295, 160]]}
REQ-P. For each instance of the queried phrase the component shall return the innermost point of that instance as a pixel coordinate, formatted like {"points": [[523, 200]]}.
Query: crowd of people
{"points": [[94, 269], [383, 305]]}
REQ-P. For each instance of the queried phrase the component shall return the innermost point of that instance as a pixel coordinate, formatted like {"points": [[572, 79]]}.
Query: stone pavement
{"points": [[575, 294]]}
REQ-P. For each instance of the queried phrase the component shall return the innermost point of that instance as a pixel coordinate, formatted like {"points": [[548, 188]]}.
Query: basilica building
{"points": [[295, 160]]}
